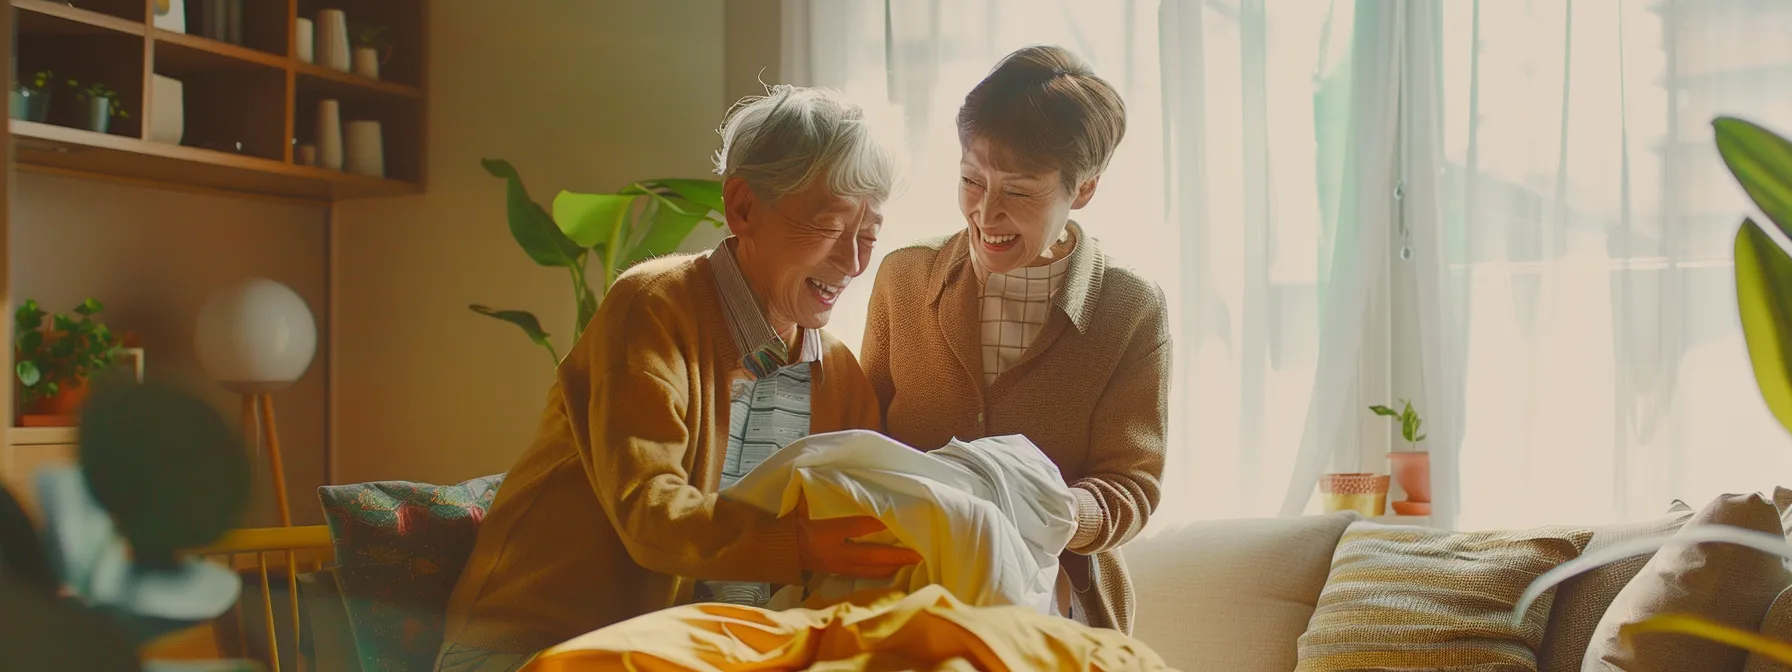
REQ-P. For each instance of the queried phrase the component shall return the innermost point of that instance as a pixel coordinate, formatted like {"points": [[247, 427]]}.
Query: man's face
{"points": [[801, 252]]}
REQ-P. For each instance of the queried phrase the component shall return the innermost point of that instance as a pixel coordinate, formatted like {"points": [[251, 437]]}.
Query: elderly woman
{"points": [[694, 369], [1019, 324]]}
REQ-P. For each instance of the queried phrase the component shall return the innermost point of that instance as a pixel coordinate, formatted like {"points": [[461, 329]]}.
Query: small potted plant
{"points": [[96, 106], [57, 360], [371, 50], [1412, 468], [31, 98]]}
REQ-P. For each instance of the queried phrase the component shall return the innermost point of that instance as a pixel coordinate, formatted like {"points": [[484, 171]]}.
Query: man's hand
{"points": [[827, 546]]}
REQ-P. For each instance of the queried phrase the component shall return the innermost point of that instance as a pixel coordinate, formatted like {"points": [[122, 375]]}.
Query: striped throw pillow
{"points": [[1425, 599]]}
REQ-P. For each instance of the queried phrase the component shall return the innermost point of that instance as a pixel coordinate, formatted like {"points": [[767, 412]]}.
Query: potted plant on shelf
{"points": [[31, 99], [643, 220], [56, 361], [372, 50], [96, 106], [1412, 468]]}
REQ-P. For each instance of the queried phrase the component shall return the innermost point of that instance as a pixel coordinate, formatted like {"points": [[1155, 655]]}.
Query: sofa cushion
{"points": [[400, 548], [1582, 600], [1726, 583], [1232, 594], [1420, 598]]}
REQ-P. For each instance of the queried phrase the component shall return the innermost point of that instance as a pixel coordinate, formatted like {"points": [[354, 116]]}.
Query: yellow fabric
{"points": [[925, 630], [612, 512], [1419, 598]]}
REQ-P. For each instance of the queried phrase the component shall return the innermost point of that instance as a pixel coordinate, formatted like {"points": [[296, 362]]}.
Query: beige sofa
{"points": [[1337, 592]]}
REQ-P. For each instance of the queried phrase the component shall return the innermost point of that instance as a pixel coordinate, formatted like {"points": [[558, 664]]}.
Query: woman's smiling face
{"points": [[1013, 216]]}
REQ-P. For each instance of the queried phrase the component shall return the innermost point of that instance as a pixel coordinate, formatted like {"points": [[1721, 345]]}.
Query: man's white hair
{"points": [[783, 141]]}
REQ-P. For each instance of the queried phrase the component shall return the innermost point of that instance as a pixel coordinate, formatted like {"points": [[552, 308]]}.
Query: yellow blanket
{"points": [[887, 630]]}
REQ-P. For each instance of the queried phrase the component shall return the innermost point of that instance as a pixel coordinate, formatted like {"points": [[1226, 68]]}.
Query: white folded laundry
{"points": [[988, 517]]}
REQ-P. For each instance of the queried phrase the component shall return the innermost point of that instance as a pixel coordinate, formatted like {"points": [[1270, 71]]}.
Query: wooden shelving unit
{"points": [[245, 106]]}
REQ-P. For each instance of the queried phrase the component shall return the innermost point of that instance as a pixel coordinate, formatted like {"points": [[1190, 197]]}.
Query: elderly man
{"points": [[694, 369]]}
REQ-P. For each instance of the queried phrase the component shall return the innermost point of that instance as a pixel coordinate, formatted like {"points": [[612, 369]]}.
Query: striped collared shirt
{"points": [[768, 409]]}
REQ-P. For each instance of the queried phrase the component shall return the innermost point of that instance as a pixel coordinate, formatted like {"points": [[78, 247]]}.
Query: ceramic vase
{"points": [[332, 40], [305, 155], [1366, 494], [1413, 472], [366, 151], [304, 40], [367, 62], [168, 122], [329, 134]]}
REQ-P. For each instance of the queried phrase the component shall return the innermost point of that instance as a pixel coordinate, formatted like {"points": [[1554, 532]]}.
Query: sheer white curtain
{"points": [[1226, 192], [1588, 307]]}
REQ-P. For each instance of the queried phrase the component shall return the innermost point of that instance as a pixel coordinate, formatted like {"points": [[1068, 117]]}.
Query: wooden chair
{"points": [[270, 621]]}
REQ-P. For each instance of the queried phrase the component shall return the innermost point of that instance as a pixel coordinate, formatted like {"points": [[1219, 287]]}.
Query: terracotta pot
{"points": [[1366, 494], [67, 401], [1413, 471]]}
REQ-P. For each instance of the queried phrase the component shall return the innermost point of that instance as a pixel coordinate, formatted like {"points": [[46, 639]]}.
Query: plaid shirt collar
{"points": [[762, 350]]}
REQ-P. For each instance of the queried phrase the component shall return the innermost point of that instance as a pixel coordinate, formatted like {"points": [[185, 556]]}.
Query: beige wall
{"points": [[577, 94], [152, 256]]}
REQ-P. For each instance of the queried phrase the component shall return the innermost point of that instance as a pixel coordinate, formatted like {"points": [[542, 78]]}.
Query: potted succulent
{"points": [[1412, 468], [643, 220], [31, 98], [57, 360], [96, 106]]}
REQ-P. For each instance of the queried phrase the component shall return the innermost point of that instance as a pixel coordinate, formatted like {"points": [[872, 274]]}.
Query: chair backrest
{"points": [[266, 624]]}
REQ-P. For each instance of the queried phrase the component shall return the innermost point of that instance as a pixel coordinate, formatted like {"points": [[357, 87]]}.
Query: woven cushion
{"points": [[401, 547], [1582, 600], [1419, 598], [1726, 583], [1234, 594]]}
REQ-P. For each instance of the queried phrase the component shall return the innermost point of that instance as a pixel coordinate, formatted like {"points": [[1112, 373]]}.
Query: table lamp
{"points": [[255, 338]]}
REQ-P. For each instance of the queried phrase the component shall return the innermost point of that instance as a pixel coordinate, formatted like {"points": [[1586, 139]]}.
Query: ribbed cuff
{"points": [[778, 556], [1088, 520]]}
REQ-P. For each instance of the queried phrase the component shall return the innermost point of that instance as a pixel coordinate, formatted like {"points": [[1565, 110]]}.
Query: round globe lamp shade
{"points": [[256, 335]]}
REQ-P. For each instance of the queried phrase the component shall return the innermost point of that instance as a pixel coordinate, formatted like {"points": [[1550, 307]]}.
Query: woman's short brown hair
{"points": [[1042, 108]]}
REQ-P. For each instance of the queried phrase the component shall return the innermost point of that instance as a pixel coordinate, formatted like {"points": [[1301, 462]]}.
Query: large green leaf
{"points": [[589, 219], [1764, 301], [523, 320], [705, 193], [533, 229], [1762, 162], [666, 231]]}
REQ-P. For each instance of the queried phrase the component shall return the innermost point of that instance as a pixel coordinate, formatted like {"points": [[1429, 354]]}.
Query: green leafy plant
{"points": [[1409, 422], [613, 231], [39, 81], [98, 91], [66, 352], [1762, 164]]}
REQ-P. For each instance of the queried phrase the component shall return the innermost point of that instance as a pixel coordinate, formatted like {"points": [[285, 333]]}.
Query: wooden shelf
{"points": [[338, 84], [65, 150], [42, 17], [243, 106], [39, 436], [191, 53]]}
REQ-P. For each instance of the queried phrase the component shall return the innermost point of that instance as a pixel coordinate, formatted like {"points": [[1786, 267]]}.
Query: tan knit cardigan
{"points": [[1092, 391]]}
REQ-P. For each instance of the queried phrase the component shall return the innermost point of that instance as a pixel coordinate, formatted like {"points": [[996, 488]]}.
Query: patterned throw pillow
{"points": [[400, 547], [1424, 599]]}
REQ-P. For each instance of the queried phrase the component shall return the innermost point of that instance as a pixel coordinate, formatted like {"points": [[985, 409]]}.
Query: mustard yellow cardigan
{"points": [[612, 512]]}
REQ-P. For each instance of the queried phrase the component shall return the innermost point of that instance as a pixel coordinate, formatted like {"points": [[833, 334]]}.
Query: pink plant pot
{"points": [[1413, 472]]}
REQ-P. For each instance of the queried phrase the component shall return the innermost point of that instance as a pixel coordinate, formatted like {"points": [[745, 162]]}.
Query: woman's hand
{"points": [[827, 546]]}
